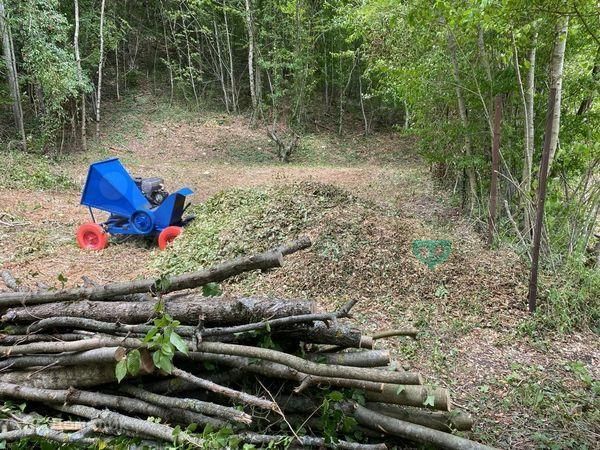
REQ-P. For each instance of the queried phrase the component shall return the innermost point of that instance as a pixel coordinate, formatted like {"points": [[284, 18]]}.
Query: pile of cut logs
{"points": [[155, 361]]}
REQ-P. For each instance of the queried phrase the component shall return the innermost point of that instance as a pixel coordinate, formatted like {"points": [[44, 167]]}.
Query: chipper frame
{"points": [[136, 206]]}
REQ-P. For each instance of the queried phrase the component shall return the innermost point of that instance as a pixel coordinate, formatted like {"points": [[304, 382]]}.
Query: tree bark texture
{"points": [[541, 200], [369, 358], [220, 272], [95, 356], [320, 333], [276, 370], [13, 77], [63, 377], [309, 367], [101, 400], [438, 420], [556, 78], [188, 309], [418, 396], [493, 206], [414, 432], [80, 78], [529, 134], [462, 111], [250, 30], [100, 66]]}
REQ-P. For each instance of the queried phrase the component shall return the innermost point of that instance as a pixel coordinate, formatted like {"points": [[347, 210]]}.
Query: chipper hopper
{"points": [[137, 206]]}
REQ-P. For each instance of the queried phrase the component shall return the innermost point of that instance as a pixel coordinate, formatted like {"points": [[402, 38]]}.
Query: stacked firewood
{"points": [[157, 361]]}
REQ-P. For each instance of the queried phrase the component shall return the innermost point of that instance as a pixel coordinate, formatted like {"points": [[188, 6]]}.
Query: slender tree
{"points": [[221, 66], [462, 111], [234, 102], [495, 169], [556, 79], [80, 77], [541, 200], [100, 65], [529, 133], [550, 142], [13, 77], [526, 92], [252, 80]]}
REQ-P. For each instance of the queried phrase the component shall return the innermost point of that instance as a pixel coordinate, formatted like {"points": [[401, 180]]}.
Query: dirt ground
{"points": [[486, 367]]}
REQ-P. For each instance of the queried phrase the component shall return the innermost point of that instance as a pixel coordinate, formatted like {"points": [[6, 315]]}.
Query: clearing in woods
{"points": [[363, 200]]}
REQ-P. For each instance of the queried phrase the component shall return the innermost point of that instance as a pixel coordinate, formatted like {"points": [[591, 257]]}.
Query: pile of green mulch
{"points": [[243, 221], [360, 250]]}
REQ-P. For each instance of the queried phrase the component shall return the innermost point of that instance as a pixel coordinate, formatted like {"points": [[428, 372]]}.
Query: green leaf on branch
{"points": [[429, 401], [134, 362], [121, 370], [211, 290], [179, 343], [162, 284], [336, 396], [162, 361]]}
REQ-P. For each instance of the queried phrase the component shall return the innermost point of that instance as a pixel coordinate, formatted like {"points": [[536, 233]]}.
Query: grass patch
{"points": [[255, 152], [567, 398], [568, 302], [27, 171]]}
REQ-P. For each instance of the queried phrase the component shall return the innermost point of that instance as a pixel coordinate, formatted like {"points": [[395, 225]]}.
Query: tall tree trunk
{"points": [[343, 93], [171, 84], [189, 59], [526, 93], [488, 104], [362, 104], [13, 77], [117, 76], [80, 77], [541, 200], [221, 64], [556, 76], [495, 168], [257, 77], [549, 150], [484, 58], [462, 110], [234, 104], [529, 133], [250, 29], [100, 65]]}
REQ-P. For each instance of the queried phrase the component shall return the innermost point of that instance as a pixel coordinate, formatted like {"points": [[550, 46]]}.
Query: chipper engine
{"points": [[136, 206]]}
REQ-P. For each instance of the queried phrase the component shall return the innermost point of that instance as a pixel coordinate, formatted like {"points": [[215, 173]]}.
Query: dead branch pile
{"points": [[155, 360]]}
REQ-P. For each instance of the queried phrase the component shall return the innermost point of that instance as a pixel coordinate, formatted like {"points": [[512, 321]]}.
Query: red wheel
{"points": [[91, 236], [167, 236]]}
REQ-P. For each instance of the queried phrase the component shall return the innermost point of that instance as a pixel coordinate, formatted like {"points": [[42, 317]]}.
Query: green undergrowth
{"points": [[569, 300], [568, 397], [27, 171]]}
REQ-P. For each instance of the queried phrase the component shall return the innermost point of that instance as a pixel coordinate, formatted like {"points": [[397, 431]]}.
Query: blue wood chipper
{"points": [[137, 206]]}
